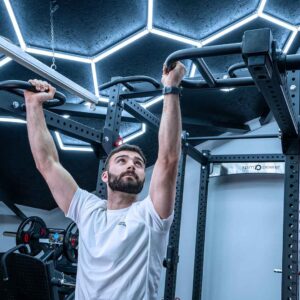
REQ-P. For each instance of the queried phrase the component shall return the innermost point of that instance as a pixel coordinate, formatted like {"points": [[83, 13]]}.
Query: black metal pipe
{"points": [[125, 80], [207, 51], [220, 83], [128, 86], [205, 72], [234, 137], [235, 67], [292, 62]]}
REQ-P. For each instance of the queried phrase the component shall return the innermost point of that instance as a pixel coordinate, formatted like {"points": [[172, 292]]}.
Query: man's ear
{"points": [[104, 176]]}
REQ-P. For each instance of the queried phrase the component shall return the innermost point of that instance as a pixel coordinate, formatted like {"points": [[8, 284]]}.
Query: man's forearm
{"points": [[170, 128], [41, 142]]}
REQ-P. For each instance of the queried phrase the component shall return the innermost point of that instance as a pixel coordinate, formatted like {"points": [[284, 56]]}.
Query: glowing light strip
{"points": [[135, 135], [176, 37], [229, 29], [152, 101], [89, 149], [4, 61], [12, 120], [103, 99], [278, 21], [261, 7], [70, 148], [119, 46], [15, 24], [95, 80], [193, 70], [58, 55], [150, 15], [290, 41]]}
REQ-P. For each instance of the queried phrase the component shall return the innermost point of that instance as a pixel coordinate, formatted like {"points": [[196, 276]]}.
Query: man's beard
{"points": [[120, 184]]}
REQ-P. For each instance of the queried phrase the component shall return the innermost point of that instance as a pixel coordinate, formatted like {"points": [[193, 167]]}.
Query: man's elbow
{"points": [[44, 166], [169, 161]]}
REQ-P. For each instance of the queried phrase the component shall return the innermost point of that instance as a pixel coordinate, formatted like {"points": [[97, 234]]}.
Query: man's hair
{"points": [[124, 147]]}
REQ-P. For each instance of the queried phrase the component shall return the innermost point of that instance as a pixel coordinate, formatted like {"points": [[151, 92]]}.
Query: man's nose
{"points": [[130, 166]]}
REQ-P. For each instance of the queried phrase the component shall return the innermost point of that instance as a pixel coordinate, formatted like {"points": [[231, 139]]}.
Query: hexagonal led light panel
{"points": [[258, 13]]}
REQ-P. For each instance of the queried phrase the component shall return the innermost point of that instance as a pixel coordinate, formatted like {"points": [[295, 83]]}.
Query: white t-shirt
{"points": [[120, 251]]}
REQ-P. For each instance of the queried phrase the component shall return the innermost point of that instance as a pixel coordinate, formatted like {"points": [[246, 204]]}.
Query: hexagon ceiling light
{"points": [[258, 13]]}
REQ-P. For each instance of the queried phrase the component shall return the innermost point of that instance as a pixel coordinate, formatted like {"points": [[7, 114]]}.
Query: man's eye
{"points": [[138, 163], [121, 160]]}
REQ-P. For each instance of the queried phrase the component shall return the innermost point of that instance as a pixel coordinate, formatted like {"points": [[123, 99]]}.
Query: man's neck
{"points": [[119, 200]]}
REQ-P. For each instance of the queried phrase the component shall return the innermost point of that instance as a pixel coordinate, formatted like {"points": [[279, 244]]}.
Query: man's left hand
{"points": [[174, 76]]}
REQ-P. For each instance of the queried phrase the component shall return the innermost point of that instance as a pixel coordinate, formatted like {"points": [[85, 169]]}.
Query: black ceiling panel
{"points": [[6, 27], [80, 27], [198, 19], [288, 10]]}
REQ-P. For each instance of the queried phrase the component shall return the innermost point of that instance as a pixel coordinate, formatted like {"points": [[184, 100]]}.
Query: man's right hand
{"points": [[60, 182], [45, 92]]}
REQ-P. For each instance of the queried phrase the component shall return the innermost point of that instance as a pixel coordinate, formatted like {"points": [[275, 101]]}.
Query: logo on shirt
{"points": [[122, 224]]}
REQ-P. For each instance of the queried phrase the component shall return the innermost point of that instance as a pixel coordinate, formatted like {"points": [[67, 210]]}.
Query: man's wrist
{"points": [[33, 103], [171, 90], [171, 83]]}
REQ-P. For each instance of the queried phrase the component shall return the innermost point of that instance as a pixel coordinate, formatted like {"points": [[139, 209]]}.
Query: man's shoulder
{"points": [[91, 198]]}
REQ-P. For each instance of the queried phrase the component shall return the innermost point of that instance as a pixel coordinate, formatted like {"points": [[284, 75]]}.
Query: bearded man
{"points": [[122, 241]]}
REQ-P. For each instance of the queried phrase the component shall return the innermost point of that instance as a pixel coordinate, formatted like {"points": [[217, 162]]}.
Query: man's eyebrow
{"points": [[138, 158], [125, 155], [119, 156]]}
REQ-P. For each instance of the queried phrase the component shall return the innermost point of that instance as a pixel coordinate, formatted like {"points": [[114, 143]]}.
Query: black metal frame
{"points": [[267, 67], [268, 70], [291, 218]]}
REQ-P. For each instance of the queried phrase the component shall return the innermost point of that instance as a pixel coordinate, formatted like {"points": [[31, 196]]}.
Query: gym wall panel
{"points": [[243, 230]]}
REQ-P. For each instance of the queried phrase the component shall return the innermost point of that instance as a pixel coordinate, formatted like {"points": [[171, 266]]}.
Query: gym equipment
{"points": [[18, 87], [70, 242], [29, 233], [27, 277], [34, 233], [31, 63]]}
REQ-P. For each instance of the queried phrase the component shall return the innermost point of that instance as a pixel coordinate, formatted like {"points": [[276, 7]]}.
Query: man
{"points": [[122, 241]]}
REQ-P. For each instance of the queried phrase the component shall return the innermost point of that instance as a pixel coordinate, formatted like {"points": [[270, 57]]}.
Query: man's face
{"points": [[126, 172]]}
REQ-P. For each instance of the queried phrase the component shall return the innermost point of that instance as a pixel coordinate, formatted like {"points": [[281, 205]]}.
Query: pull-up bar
{"points": [[31, 63]]}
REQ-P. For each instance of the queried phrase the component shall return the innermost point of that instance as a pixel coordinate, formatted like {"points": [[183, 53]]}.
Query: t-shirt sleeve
{"points": [[82, 205], [152, 218]]}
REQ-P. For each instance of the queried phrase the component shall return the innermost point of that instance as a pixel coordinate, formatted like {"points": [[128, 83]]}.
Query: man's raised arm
{"points": [[163, 181], [60, 182]]}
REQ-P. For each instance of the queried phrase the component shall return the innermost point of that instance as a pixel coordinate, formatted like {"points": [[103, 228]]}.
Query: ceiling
{"points": [[123, 38]]}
